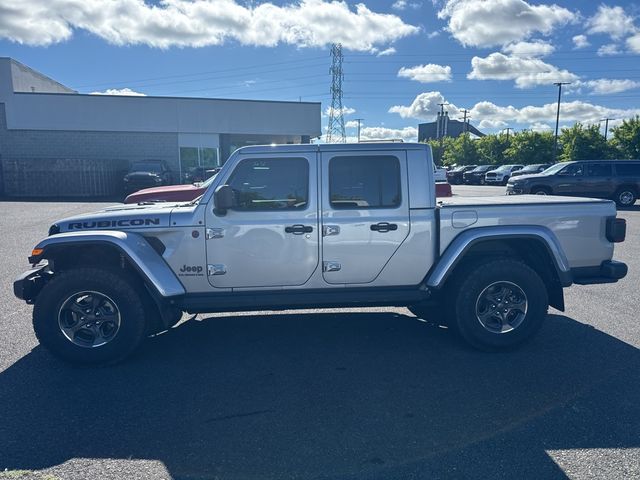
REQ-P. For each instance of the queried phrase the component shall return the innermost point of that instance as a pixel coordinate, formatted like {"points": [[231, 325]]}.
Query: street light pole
{"points": [[359, 120], [555, 141]]}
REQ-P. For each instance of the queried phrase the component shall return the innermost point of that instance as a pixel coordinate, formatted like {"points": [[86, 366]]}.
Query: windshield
{"points": [[146, 167], [209, 180], [503, 168], [530, 168], [555, 168], [481, 168]]}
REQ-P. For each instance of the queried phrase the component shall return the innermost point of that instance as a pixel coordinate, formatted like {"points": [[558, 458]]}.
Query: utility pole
{"points": [[464, 120], [555, 141], [359, 120], [508, 129], [606, 126], [335, 130]]}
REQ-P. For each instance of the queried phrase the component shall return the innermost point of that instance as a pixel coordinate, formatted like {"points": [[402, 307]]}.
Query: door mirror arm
{"points": [[223, 200]]}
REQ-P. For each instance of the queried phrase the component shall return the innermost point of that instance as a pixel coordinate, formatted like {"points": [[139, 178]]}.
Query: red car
{"points": [[186, 193], [171, 193]]}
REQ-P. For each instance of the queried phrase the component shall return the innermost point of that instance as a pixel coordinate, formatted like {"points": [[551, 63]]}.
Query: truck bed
{"points": [[573, 220], [457, 201]]}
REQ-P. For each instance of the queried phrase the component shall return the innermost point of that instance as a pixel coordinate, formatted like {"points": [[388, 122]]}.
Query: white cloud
{"points": [[536, 48], [526, 72], [612, 21], [540, 127], [408, 134], [386, 52], [609, 49], [120, 91], [489, 124], [199, 23], [351, 124], [433, 34], [580, 41], [345, 111], [497, 22], [607, 86], [403, 4], [634, 43], [424, 107], [427, 73]]}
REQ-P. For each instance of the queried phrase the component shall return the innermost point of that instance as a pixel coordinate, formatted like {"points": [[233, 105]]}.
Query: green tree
{"points": [[491, 149], [626, 138], [581, 142], [529, 147], [459, 151], [437, 150]]}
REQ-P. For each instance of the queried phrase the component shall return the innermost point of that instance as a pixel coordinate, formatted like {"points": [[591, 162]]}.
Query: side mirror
{"points": [[223, 199]]}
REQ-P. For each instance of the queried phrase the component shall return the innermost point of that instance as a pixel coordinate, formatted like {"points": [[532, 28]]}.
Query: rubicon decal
{"points": [[128, 222]]}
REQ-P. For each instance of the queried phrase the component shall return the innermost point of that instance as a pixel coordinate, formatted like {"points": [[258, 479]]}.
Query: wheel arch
{"points": [[106, 247], [531, 244]]}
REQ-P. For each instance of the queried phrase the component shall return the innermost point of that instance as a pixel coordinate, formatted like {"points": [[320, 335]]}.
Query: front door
{"points": [[570, 180], [365, 213], [269, 237]]}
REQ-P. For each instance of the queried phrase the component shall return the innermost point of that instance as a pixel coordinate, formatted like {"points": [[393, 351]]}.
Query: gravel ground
{"points": [[326, 394]]}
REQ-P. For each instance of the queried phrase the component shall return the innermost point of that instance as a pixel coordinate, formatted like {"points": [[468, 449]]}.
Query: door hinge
{"points": [[329, 230], [330, 266], [214, 233], [217, 269]]}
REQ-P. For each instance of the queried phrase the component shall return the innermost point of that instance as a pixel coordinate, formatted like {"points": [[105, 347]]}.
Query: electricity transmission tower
{"points": [[335, 130]]}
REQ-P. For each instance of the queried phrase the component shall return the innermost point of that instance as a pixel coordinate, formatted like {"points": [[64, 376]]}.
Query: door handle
{"points": [[384, 227], [298, 229]]}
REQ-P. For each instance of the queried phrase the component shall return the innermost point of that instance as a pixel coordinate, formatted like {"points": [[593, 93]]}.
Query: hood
{"points": [[165, 189], [121, 217], [529, 176], [141, 174]]}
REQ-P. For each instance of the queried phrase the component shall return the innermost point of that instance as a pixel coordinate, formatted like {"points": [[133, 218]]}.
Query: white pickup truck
{"points": [[303, 226]]}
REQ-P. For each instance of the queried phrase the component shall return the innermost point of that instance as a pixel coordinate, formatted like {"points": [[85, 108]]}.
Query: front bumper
{"points": [[512, 190], [609, 271], [28, 284]]}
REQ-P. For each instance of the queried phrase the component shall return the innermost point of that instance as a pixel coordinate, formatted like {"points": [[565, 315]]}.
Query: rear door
{"points": [[599, 179], [365, 213]]}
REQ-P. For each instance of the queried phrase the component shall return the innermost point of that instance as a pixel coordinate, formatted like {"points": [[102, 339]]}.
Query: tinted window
{"points": [[364, 182], [628, 169], [599, 169], [573, 170], [270, 184]]}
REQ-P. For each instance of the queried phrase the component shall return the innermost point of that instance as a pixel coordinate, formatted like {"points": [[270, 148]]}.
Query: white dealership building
{"points": [[55, 141]]}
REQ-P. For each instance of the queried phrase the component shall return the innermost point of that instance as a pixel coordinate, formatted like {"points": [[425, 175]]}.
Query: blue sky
{"points": [[497, 58]]}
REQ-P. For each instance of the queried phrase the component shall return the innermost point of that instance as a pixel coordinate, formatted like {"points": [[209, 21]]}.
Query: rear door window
{"points": [[599, 170], [364, 182], [631, 169]]}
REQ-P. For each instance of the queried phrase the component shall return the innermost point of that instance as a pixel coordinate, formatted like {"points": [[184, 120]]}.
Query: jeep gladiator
{"points": [[310, 226]]}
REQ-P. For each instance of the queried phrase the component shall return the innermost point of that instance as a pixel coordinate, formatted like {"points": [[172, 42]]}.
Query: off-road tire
{"points": [[124, 291], [478, 277]]}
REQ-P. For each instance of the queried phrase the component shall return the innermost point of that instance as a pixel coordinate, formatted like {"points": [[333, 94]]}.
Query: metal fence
{"points": [[62, 177]]}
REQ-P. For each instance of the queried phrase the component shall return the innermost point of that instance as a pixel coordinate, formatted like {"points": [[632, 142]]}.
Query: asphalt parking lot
{"points": [[371, 394]]}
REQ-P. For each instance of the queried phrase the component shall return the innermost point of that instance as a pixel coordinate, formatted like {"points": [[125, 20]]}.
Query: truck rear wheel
{"points": [[499, 304], [90, 316]]}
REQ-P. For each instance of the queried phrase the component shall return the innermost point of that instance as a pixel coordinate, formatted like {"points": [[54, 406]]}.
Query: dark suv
{"points": [[145, 174], [618, 180], [454, 176], [476, 176]]}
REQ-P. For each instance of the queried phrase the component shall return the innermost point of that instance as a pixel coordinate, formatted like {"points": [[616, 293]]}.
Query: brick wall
{"points": [[55, 163]]}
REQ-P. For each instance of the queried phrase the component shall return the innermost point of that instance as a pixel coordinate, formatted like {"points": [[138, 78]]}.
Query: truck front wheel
{"points": [[499, 304], [90, 316]]}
